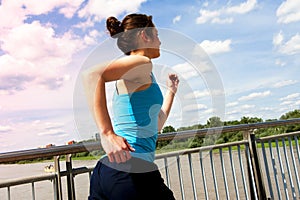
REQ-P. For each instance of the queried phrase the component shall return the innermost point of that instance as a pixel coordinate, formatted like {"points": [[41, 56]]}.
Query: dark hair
{"points": [[134, 23]]}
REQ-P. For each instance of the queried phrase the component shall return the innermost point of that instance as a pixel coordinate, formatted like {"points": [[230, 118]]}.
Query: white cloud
{"points": [[91, 37], [232, 112], [100, 9], [255, 95], [217, 20], [224, 15], [242, 8], [290, 97], [176, 19], [194, 107], [286, 103], [39, 58], [288, 12], [13, 13], [285, 83], [84, 25], [247, 106], [232, 104], [34, 52], [216, 47], [65, 7], [53, 125], [40, 44], [41, 128], [70, 8], [54, 132], [292, 46], [280, 63], [278, 39], [185, 70], [5, 128], [289, 47], [198, 94], [206, 16]]}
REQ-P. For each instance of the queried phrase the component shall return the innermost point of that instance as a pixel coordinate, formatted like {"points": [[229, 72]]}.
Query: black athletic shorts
{"points": [[135, 179]]}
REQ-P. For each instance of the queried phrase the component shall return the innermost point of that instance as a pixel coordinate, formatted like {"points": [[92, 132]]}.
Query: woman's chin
{"points": [[155, 55]]}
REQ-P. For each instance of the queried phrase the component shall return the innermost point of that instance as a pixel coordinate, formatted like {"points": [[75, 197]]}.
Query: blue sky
{"points": [[253, 45]]}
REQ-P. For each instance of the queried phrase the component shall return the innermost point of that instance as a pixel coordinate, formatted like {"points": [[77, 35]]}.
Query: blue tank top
{"points": [[136, 119]]}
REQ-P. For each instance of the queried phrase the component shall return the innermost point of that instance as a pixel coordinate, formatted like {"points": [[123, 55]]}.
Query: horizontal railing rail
{"points": [[91, 146], [44, 177]]}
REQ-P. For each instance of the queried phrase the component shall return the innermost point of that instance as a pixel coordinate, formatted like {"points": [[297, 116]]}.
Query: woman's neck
{"points": [[140, 52]]}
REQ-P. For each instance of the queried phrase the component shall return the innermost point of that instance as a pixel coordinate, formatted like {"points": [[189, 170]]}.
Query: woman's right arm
{"points": [[116, 147]]}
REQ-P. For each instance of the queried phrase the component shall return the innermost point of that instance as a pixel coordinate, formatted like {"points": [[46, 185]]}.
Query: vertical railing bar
{"points": [[70, 178], [267, 169], [274, 170], [192, 176], [234, 174], [8, 192], [224, 173], [214, 174], [282, 170], [58, 178], [251, 172], [297, 147], [90, 175], [203, 175], [243, 173], [288, 169], [54, 188], [167, 171], [180, 177], [33, 191], [294, 163]]}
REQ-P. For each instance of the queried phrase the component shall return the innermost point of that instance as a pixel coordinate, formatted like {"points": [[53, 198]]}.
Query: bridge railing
{"points": [[238, 170]]}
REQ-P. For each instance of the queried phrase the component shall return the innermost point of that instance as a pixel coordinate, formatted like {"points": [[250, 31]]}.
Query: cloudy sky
{"points": [[254, 47]]}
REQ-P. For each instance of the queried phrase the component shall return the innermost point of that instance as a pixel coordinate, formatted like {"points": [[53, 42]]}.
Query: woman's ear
{"points": [[144, 36]]}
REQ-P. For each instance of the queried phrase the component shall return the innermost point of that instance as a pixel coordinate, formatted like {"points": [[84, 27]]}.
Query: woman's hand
{"points": [[172, 83], [116, 147]]}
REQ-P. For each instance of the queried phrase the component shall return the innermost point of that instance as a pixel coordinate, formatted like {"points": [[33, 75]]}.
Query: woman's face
{"points": [[154, 51]]}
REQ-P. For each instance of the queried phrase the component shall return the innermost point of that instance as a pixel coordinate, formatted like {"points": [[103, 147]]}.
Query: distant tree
{"points": [[291, 115], [194, 127], [232, 123], [216, 138], [250, 120], [168, 129], [214, 122]]}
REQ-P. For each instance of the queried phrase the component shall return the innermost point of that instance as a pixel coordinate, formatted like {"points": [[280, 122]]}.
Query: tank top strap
{"points": [[153, 78]]}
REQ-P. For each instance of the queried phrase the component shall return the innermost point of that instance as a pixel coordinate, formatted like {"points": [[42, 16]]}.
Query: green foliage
{"points": [[214, 122], [168, 129], [228, 137], [292, 115]]}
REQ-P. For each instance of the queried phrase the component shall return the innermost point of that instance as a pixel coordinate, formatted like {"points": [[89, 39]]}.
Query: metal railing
{"points": [[238, 170]]}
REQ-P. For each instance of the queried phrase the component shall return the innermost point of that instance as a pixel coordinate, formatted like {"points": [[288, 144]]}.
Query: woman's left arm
{"points": [[172, 85]]}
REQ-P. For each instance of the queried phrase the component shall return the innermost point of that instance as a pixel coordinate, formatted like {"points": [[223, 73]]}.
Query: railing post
{"points": [[256, 169], [70, 178], [253, 194], [58, 189]]}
